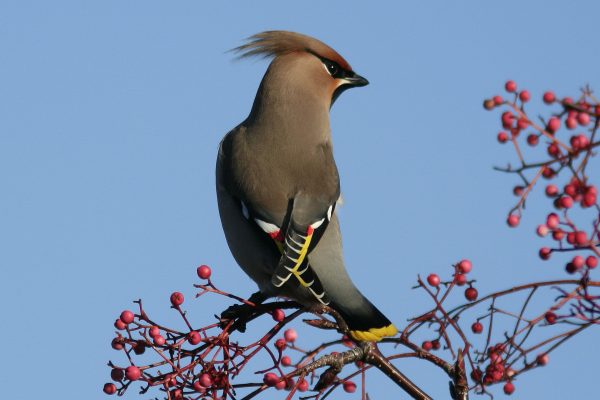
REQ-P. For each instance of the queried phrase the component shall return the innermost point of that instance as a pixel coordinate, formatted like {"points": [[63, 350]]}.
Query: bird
{"points": [[278, 184]]}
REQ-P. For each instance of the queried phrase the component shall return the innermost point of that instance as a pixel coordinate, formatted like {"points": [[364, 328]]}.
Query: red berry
{"points": [[433, 280], [349, 387], [591, 262], [533, 139], [583, 118], [500, 347], [427, 346], [571, 123], [477, 327], [117, 374], [498, 100], [558, 234], [578, 262], [205, 380], [571, 190], [566, 201], [133, 373], [507, 119], [435, 344], [117, 344], [525, 96], [159, 340], [488, 104], [177, 299], [553, 150], [476, 375], [518, 190], [545, 253], [575, 143], [548, 172], [496, 376], [513, 220], [280, 385], [552, 221], [270, 379], [286, 361], [549, 97], [110, 388], [495, 357], [139, 347], [465, 266], [487, 380], [278, 315], [127, 317], [154, 331], [542, 230], [502, 137], [194, 338], [509, 388], [290, 335], [302, 385], [460, 279], [203, 272], [471, 294], [589, 199], [120, 325], [581, 238], [522, 123], [542, 359], [510, 86], [550, 317], [280, 344], [551, 190], [553, 124], [198, 387]]}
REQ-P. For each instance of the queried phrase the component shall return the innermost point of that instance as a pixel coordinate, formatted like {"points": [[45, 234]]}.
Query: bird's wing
{"points": [[304, 224], [308, 220]]}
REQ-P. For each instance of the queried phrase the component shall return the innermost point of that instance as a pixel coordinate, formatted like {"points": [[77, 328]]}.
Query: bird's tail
{"points": [[365, 322]]}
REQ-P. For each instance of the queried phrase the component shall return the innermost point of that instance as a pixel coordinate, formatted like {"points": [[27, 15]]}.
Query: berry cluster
{"points": [[200, 363], [141, 333], [568, 136], [503, 361]]}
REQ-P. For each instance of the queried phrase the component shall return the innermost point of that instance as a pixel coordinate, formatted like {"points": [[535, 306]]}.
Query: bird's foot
{"points": [[241, 313]]}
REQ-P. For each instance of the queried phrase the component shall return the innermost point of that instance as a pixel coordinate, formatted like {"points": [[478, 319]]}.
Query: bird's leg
{"points": [[242, 312]]}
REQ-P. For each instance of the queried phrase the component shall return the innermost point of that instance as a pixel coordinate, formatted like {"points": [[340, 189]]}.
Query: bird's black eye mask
{"points": [[334, 69], [337, 72]]}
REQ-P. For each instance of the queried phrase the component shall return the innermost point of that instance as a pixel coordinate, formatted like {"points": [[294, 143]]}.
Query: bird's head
{"points": [[302, 64]]}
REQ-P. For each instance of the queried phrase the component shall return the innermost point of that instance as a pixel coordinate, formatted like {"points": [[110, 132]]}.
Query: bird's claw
{"points": [[238, 313]]}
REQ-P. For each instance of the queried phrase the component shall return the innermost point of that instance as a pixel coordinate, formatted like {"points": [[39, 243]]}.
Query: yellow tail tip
{"points": [[374, 334]]}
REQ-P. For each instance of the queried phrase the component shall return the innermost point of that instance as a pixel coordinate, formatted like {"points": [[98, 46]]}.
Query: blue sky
{"points": [[110, 117]]}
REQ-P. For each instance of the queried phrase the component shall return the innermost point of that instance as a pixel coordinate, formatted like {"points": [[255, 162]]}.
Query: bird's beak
{"points": [[349, 81], [356, 80]]}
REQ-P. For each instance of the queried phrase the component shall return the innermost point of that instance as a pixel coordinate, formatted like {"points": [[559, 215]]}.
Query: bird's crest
{"points": [[276, 43]]}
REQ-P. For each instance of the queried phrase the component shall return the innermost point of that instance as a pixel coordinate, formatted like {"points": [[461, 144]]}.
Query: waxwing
{"points": [[278, 184]]}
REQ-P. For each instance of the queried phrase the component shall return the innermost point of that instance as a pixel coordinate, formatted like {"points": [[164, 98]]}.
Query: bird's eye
{"points": [[332, 68]]}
